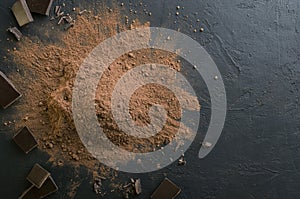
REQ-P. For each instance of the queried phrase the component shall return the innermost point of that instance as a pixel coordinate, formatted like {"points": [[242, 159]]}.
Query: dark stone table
{"points": [[255, 45]]}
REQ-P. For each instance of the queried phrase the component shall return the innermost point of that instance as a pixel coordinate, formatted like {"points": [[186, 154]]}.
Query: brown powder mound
{"points": [[46, 81], [141, 101]]}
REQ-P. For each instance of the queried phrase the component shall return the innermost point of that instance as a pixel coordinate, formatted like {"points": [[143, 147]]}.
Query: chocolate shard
{"points": [[97, 185], [40, 6], [57, 10], [25, 140], [166, 190], [68, 26], [47, 188], [8, 93], [38, 175], [16, 32], [29, 193], [22, 12], [181, 160], [138, 186]]}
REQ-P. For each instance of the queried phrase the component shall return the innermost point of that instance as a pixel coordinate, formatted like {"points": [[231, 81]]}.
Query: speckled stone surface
{"points": [[255, 45]]}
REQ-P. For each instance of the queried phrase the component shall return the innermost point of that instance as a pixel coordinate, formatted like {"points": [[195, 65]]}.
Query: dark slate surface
{"points": [[255, 44]]}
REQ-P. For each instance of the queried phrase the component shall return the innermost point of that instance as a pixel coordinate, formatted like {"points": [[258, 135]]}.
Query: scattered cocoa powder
{"points": [[47, 72]]}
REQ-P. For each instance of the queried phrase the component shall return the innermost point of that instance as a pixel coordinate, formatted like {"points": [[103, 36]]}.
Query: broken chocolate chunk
{"points": [[38, 175], [97, 185], [8, 93], [68, 19], [57, 10], [181, 160], [25, 140], [40, 6], [16, 32], [22, 12], [68, 26], [166, 190], [47, 188], [137, 186]]}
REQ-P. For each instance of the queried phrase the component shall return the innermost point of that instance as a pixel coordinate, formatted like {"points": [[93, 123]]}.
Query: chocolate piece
{"points": [[68, 26], [40, 6], [29, 193], [38, 175], [83, 11], [25, 140], [138, 186], [8, 93], [166, 190], [61, 20], [16, 32], [181, 160], [68, 19], [47, 188], [57, 10], [97, 185], [21, 12]]}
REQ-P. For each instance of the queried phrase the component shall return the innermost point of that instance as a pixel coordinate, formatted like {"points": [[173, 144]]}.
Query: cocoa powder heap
{"points": [[46, 77]]}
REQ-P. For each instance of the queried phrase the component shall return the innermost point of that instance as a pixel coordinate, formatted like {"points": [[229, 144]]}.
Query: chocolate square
{"points": [[166, 190], [40, 6], [47, 188], [16, 32], [8, 93], [38, 175], [21, 12], [25, 140]]}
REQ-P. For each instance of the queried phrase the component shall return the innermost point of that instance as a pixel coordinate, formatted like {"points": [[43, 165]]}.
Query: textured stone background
{"points": [[255, 44]]}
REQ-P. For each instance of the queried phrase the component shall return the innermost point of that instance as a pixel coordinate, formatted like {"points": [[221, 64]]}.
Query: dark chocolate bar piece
{"points": [[16, 32], [38, 175], [21, 12], [47, 188], [138, 186], [25, 140], [166, 190], [8, 93], [40, 6]]}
